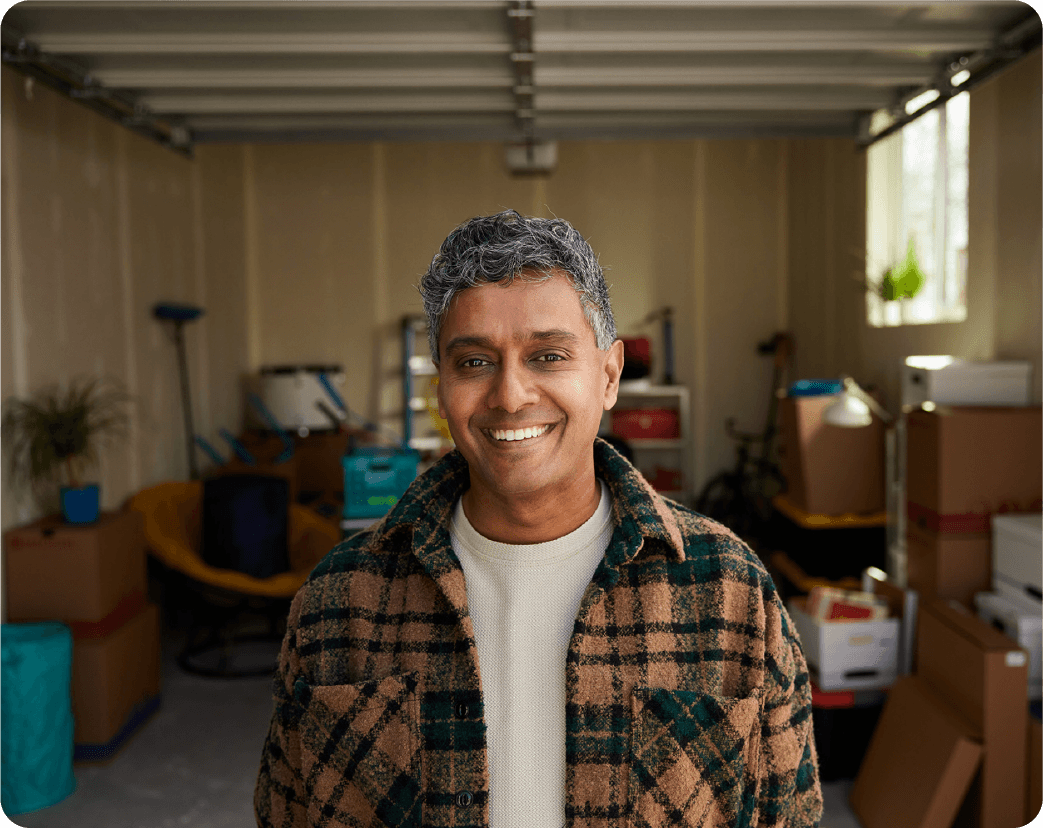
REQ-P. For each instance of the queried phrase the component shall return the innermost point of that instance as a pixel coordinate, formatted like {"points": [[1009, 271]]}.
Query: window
{"points": [[917, 196]]}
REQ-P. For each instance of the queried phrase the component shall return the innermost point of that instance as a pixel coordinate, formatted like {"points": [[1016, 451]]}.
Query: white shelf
{"points": [[652, 452]]}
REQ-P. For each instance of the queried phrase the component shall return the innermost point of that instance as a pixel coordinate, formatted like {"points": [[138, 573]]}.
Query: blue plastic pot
{"points": [[81, 504], [36, 723]]}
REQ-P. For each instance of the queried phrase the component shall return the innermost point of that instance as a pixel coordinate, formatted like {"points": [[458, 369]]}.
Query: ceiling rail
{"points": [[73, 81], [980, 66]]}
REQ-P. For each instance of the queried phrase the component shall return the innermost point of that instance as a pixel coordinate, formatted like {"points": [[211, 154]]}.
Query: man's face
{"points": [[522, 385]]}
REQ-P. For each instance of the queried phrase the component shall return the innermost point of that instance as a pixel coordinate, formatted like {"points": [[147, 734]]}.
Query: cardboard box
{"points": [[965, 464], [1017, 564], [1020, 622], [919, 764], [847, 654], [61, 572], [113, 674], [1034, 764], [319, 468], [948, 565], [984, 675], [830, 470]]}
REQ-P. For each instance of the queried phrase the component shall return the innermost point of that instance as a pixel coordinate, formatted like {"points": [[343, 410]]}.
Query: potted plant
{"points": [[903, 280], [54, 437]]}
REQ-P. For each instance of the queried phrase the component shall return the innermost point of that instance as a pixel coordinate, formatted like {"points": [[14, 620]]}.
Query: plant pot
{"points": [[81, 504]]}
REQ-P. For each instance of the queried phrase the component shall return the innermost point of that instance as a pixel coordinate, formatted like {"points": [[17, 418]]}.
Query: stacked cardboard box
{"points": [[950, 747], [93, 578], [817, 459], [962, 466]]}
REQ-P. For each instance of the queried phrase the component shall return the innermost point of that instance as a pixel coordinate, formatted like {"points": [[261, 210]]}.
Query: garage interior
{"points": [[287, 169]]}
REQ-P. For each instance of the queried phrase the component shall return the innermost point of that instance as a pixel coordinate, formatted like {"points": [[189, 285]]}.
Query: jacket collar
{"points": [[640, 514]]}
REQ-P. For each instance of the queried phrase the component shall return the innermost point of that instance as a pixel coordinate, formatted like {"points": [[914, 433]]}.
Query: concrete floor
{"points": [[193, 765]]}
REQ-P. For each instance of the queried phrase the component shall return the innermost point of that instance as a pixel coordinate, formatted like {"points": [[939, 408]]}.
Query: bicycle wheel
{"points": [[719, 500]]}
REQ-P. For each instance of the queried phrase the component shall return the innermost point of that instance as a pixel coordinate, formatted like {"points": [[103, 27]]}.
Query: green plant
{"points": [[901, 281], [55, 436]]}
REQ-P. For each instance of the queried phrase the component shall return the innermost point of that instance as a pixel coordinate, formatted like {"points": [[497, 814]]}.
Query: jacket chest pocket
{"points": [[693, 759], [360, 757]]}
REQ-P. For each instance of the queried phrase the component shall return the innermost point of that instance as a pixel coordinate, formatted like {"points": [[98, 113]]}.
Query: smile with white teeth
{"points": [[519, 433]]}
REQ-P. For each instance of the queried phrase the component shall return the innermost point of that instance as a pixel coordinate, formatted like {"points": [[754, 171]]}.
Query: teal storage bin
{"points": [[36, 724], [815, 387], [375, 479]]}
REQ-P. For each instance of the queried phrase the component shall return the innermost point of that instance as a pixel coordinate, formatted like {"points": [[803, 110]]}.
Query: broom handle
{"points": [[186, 400]]}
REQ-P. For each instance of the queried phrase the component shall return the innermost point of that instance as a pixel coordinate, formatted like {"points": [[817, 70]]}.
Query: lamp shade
{"points": [[848, 412]]}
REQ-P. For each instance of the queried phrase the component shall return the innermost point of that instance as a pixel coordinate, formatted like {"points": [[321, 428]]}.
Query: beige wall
{"points": [[99, 225], [338, 236]]}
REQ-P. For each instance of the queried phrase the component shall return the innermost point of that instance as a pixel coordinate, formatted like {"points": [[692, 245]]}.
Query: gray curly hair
{"points": [[506, 245]]}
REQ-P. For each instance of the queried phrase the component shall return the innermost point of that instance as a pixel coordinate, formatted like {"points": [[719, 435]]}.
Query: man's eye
{"points": [[550, 358], [474, 362]]}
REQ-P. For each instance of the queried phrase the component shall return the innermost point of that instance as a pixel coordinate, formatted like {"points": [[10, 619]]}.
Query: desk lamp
{"points": [[854, 408]]}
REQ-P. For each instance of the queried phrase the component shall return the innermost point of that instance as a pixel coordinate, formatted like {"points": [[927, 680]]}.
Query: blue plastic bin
{"points": [[375, 479], [36, 724]]}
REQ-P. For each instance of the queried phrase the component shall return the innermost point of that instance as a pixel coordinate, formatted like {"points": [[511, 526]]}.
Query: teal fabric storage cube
{"points": [[36, 724], [375, 479]]}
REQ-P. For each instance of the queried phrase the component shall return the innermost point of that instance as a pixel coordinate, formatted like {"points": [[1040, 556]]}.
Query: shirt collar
{"points": [[639, 513]]}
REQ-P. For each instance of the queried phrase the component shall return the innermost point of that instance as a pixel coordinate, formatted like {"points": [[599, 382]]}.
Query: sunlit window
{"points": [[916, 219]]}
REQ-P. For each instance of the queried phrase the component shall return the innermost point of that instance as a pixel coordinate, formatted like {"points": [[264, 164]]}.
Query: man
{"points": [[532, 636]]}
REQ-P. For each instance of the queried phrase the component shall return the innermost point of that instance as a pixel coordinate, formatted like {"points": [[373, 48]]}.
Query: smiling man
{"points": [[532, 636]]}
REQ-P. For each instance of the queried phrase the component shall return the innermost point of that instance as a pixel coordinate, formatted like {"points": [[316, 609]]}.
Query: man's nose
{"points": [[512, 389]]}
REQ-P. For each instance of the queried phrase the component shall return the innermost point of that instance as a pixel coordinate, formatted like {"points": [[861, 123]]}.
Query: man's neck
{"points": [[532, 518]]}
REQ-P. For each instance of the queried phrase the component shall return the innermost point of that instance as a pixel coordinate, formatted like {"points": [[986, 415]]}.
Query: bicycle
{"points": [[740, 497]]}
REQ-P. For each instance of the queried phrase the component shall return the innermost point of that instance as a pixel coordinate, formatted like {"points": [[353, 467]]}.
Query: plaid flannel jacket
{"points": [[688, 698]]}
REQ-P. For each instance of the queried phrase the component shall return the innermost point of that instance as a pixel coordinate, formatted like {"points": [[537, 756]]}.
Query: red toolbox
{"points": [[646, 423]]}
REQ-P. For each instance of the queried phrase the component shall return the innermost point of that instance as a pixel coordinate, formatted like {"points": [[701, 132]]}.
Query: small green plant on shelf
{"points": [[53, 439]]}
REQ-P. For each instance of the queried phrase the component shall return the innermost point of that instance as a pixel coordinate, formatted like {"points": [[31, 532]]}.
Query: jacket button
{"points": [[464, 799], [300, 690], [461, 710]]}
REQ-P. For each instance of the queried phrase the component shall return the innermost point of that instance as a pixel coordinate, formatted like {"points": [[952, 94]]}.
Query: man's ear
{"points": [[613, 371]]}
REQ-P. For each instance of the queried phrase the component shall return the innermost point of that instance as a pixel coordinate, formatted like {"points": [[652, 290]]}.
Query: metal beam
{"points": [[73, 81], [283, 43], [1006, 50], [715, 4], [768, 100], [304, 78], [289, 103], [825, 40], [520, 15], [285, 5], [768, 75]]}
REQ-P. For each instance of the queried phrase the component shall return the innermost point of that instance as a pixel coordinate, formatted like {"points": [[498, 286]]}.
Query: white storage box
{"points": [[965, 383], [1019, 619], [290, 394], [1017, 555], [848, 655]]}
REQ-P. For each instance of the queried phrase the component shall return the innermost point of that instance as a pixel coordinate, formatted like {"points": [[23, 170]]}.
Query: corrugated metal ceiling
{"points": [[203, 70]]}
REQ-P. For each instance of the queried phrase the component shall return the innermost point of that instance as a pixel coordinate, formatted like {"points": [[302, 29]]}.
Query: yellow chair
{"points": [[172, 515]]}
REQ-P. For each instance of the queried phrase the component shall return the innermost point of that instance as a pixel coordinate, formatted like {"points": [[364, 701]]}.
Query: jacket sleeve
{"points": [[790, 791], [279, 797]]}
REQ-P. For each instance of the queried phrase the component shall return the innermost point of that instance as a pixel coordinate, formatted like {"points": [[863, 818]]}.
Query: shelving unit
{"points": [[419, 375], [657, 457]]}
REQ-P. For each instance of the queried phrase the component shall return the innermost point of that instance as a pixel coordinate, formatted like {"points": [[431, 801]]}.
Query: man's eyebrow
{"points": [[459, 343], [556, 335]]}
